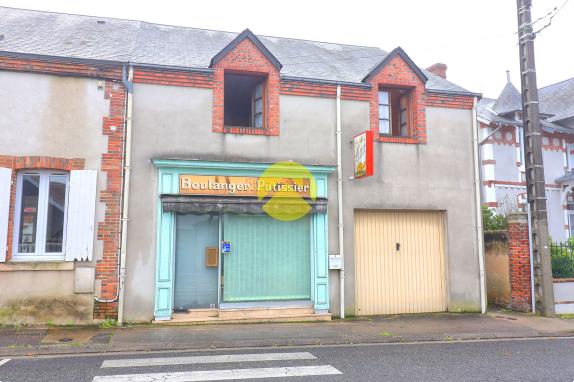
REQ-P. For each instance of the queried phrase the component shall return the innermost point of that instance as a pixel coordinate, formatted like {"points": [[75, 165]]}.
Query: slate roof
{"points": [[508, 101], [27, 32], [484, 110], [566, 178], [557, 101]]}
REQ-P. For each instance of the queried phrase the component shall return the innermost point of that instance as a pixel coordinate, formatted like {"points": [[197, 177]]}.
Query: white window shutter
{"points": [[5, 185], [81, 215]]}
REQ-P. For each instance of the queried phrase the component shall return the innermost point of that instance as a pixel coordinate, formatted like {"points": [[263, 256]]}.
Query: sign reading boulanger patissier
{"points": [[243, 186]]}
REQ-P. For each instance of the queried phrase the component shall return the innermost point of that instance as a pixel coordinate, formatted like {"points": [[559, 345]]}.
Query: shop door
{"points": [[400, 262], [195, 277], [269, 259]]}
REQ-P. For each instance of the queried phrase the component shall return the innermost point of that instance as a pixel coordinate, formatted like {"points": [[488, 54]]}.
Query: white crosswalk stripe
{"points": [[216, 375], [223, 375], [142, 362]]}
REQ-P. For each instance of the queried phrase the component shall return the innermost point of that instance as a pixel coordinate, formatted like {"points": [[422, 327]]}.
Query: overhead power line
{"points": [[550, 16]]}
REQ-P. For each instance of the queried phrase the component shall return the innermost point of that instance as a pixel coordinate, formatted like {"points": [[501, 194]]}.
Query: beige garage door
{"points": [[400, 262]]}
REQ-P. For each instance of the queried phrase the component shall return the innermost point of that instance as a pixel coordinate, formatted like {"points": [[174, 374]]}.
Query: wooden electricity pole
{"points": [[535, 185]]}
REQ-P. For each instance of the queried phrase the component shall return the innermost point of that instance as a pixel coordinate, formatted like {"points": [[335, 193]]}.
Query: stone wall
{"points": [[497, 268]]}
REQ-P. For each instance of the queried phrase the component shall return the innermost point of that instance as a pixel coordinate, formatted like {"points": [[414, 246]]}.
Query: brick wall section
{"points": [[61, 68], [17, 163], [519, 262], [398, 73], [246, 58], [173, 78], [449, 101], [287, 87], [109, 228], [313, 89], [113, 127], [550, 144]]}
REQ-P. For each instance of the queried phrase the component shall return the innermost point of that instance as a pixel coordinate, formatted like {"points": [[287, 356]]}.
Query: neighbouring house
{"points": [[132, 151], [502, 154]]}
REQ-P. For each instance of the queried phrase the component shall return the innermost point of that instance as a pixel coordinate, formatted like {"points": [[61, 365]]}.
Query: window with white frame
{"points": [[569, 201], [40, 215], [384, 112], [258, 105], [570, 225], [394, 107]]}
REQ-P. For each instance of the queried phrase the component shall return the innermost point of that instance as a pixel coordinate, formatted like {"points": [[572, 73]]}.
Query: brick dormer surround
{"points": [[397, 70], [246, 55]]}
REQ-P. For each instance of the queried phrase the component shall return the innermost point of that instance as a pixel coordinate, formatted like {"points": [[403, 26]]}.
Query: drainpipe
{"points": [[127, 81], [479, 231], [126, 192], [340, 205]]}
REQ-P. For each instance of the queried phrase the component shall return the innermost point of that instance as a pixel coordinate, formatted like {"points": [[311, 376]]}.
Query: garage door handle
{"points": [[398, 246]]}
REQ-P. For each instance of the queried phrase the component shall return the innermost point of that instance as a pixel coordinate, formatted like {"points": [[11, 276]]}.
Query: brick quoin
{"points": [[397, 73], [519, 262], [247, 58], [17, 163], [109, 229]]}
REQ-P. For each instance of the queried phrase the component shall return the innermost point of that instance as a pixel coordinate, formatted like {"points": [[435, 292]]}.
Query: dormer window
{"points": [[244, 100], [397, 101], [246, 86], [394, 111]]}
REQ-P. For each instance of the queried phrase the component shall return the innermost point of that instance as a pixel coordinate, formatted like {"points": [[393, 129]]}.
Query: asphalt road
{"points": [[501, 360]]}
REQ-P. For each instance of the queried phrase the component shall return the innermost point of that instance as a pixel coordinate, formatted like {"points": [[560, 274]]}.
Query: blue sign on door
{"points": [[225, 247]]}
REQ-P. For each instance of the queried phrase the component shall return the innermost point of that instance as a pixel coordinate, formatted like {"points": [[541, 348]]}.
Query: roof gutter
{"points": [[75, 60], [111, 64], [171, 67], [454, 92]]}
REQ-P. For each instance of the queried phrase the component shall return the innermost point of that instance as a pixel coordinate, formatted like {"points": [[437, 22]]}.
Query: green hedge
{"points": [[492, 221]]}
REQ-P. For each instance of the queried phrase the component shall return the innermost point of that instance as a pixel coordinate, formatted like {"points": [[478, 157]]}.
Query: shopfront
{"points": [[240, 235]]}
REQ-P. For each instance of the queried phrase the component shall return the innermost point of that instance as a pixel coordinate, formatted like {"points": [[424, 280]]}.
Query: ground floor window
{"points": [[570, 212], [40, 215], [571, 225]]}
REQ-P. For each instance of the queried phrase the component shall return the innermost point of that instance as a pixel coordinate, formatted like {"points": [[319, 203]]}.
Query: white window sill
{"points": [[39, 259]]}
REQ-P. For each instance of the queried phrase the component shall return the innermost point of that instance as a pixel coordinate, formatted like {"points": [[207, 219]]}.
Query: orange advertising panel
{"points": [[243, 186]]}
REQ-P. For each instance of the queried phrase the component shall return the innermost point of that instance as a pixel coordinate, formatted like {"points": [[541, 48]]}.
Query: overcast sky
{"points": [[476, 39]]}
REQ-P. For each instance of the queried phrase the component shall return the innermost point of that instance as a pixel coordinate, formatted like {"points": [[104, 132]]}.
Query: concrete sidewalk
{"points": [[383, 329]]}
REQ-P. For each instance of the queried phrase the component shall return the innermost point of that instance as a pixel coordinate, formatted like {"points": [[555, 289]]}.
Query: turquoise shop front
{"points": [[220, 247]]}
